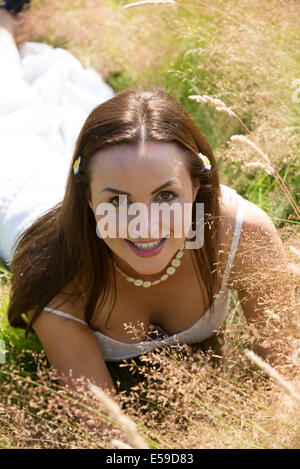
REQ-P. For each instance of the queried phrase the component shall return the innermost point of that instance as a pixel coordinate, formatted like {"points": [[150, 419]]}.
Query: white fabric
{"points": [[205, 327], [45, 97]]}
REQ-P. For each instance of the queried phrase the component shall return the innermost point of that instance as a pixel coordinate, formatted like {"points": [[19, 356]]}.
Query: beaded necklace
{"points": [[169, 271]]}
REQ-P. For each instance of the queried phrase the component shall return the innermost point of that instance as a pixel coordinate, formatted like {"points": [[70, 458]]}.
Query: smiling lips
{"points": [[147, 249]]}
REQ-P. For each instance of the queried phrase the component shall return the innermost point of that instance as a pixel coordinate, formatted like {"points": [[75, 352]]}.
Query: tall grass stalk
{"points": [[285, 385], [128, 425]]}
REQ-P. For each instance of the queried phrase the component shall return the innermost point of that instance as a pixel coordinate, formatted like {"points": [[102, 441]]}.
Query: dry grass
{"points": [[208, 396], [184, 398], [100, 34], [247, 57], [127, 424], [285, 385], [264, 161]]}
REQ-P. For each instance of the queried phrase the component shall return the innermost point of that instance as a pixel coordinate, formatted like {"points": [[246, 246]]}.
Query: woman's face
{"points": [[147, 173]]}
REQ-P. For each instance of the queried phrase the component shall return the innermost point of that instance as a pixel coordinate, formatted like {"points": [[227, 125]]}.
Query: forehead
{"points": [[127, 162]]}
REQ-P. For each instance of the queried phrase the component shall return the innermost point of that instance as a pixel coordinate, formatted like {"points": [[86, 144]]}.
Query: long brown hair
{"points": [[62, 245]]}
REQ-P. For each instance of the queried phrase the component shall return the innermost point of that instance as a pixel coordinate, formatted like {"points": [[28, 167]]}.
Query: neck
{"points": [[128, 270]]}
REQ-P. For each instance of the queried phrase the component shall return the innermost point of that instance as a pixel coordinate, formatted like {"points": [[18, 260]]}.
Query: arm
{"points": [[70, 345], [265, 287]]}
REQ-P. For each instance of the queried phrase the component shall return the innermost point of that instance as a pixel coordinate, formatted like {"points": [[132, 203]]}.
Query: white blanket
{"points": [[45, 97]]}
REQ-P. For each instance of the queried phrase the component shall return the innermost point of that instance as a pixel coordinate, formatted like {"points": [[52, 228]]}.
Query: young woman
{"points": [[80, 289]]}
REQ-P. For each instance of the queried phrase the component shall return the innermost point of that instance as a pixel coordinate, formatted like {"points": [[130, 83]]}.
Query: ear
{"points": [[196, 187]]}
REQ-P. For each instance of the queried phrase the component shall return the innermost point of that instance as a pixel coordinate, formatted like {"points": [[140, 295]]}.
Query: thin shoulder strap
{"points": [[235, 239], [65, 315]]}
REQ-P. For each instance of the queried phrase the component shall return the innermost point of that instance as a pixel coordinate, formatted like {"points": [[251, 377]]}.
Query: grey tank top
{"points": [[210, 322]]}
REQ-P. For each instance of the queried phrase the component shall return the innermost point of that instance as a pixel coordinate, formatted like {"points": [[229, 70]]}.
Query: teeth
{"points": [[147, 245]]}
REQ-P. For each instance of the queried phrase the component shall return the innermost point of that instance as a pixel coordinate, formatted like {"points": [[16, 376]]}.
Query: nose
{"points": [[146, 225]]}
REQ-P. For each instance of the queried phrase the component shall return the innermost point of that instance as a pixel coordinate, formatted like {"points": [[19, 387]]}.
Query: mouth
{"points": [[147, 249]]}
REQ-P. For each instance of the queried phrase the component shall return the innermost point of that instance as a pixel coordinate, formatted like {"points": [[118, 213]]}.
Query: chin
{"points": [[147, 261], [151, 265]]}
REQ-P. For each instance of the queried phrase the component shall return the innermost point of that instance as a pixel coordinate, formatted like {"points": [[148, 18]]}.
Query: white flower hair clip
{"points": [[76, 165], [205, 160]]}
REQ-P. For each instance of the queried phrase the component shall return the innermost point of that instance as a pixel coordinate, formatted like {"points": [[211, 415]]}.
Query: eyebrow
{"points": [[166, 184]]}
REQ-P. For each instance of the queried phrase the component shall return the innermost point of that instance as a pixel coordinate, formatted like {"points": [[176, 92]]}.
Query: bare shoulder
{"points": [[260, 246], [68, 301]]}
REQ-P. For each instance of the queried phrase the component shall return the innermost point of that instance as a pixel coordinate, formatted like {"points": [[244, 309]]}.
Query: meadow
{"points": [[235, 66]]}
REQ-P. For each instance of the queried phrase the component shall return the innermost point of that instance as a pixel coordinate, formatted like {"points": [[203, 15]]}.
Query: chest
{"points": [[175, 305]]}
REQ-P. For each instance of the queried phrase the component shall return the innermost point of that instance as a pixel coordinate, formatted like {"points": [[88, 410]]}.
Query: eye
{"points": [[164, 199], [167, 199], [118, 204]]}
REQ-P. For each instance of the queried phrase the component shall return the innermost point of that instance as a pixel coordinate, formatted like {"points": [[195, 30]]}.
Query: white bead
{"points": [[171, 270], [130, 279], [155, 282], [147, 284], [179, 254], [164, 277], [176, 262], [138, 282]]}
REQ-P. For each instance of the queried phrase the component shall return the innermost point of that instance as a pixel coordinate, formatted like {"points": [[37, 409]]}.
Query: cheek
{"points": [[111, 226], [180, 219]]}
